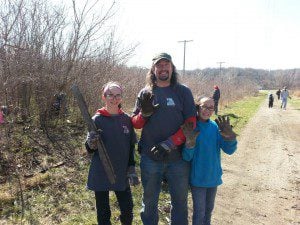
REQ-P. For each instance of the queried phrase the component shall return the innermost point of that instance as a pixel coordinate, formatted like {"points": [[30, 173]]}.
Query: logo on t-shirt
{"points": [[126, 130], [170, 102]]}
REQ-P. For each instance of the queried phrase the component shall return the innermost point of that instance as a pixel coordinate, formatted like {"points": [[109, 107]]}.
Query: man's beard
{"points": [[163, 77]]}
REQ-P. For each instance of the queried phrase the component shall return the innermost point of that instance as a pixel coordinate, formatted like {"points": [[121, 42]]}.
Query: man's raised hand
{"points": [[147, 106]]}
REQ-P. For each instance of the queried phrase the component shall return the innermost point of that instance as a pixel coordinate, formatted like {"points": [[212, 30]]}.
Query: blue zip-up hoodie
{"points": [[205, 157]]}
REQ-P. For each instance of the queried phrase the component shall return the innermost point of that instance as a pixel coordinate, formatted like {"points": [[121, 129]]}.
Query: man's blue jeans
{"points": [[283, 104], [177, 175], [203, 204]]}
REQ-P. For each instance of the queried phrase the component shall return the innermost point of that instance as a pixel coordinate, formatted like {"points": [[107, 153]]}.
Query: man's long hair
{"points": [[151, 79]]}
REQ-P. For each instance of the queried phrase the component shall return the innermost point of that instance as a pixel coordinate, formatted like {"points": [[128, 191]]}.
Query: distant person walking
{"points": [[216, 98], [278, 93], [284, 96], [271, 100]]}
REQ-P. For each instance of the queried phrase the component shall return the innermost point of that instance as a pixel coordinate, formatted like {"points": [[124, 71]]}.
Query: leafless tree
{"points": [[45, 49]]}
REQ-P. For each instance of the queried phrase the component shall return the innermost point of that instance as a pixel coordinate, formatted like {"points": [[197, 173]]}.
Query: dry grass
{"points": [[296, 93], [5, 198]]}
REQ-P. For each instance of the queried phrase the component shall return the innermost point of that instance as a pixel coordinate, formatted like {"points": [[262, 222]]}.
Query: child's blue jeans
{"points": [[203, 204]]}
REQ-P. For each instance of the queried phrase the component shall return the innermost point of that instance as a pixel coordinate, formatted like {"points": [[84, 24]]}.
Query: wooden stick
{"points": [[92, 127]]}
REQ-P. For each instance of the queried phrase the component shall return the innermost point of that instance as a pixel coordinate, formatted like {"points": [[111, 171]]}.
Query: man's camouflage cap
{"points": [[160, 56]]}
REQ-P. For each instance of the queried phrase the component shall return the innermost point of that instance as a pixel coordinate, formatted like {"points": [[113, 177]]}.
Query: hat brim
{"points": [[157, 60]]}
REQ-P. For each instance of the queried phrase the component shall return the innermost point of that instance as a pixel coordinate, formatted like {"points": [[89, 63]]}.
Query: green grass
{"points": [[295, 102], [241, 111], [65, 200]]}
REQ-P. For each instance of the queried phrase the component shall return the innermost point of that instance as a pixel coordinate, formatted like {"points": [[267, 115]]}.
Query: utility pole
{"points": [[220, 67], [184, 44]]}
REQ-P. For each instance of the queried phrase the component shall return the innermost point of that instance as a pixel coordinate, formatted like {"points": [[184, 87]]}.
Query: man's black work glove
{"points": [[190, 134], [225, 128], [161, 150], [146, 101], [92, 139], [132, 176]]}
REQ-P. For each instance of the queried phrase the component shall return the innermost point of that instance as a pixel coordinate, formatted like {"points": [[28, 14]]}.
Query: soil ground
{"points": [[261, 179]]}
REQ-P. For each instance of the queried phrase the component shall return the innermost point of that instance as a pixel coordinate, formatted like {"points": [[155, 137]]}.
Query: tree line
{"points": [[44, 49]]}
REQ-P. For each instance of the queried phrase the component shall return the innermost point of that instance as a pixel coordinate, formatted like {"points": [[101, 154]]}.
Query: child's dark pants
{"points": [[103, 209]]}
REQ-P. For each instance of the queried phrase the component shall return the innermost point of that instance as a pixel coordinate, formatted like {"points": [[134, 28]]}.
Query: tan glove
{"points": [[92, 139], [190, 134]]}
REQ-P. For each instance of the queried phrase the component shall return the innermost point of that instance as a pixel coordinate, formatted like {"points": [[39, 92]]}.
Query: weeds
{"points": [[58, 195]]}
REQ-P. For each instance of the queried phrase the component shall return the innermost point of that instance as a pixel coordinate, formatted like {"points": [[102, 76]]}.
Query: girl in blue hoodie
{"points": [[204, 152]]}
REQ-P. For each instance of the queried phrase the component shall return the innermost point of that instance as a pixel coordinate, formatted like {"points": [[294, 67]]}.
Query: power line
{"points": [[220, 67], [184, 44]]}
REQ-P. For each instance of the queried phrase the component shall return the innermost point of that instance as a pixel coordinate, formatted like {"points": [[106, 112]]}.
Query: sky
{"points": [[242, 33], [260, 34]]}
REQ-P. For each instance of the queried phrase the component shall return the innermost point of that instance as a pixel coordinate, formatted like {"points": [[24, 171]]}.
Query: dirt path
{"points": [[262, 180]]}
